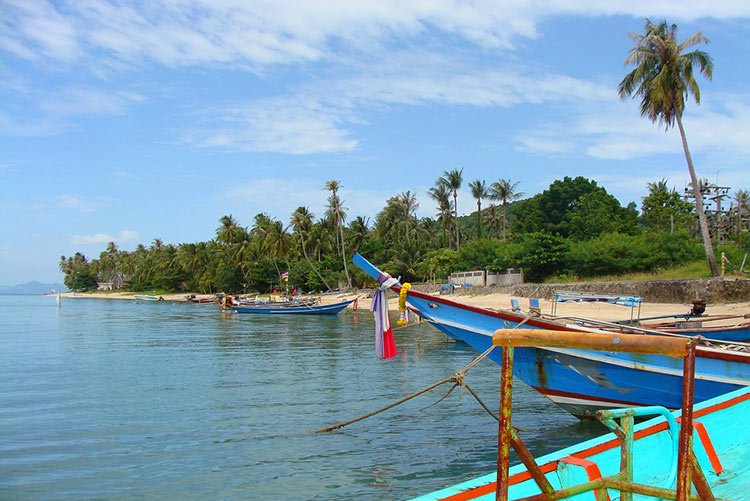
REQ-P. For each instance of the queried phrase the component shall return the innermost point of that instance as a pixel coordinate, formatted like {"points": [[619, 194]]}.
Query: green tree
{"points": [[479, 191], [599, 212], [554, 210], [302, 221], [663, 77], [504, 191], [229, 232], [79, 274], [452, 180], [663, 209], [440, 194], [337, 214]]}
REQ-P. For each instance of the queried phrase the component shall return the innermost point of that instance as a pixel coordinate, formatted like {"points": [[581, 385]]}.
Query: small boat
{"points": [[293, 309], [148, 297], [707, 452], [579, 381]]}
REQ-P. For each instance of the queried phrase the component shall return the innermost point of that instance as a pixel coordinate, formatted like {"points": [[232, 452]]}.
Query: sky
{"points": [[127, 121]]}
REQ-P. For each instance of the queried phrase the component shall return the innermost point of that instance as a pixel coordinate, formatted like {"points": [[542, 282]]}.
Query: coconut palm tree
{"points": [[452, 181], [479, 191], [440, 194], [504, 191], [359, 233], [663, 77], [229, 232], [302, 221], [337, 213]]}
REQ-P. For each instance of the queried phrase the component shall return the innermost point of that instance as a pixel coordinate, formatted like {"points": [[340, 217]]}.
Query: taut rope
{"points": [[458, 379]]}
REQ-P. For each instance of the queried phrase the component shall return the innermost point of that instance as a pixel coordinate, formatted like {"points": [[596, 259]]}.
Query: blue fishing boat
{"points": [[294, 309], [706, 454], [583, 382]]}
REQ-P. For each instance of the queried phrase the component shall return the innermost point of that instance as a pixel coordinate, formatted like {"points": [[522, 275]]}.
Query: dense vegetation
{"points": [[574, 229]]}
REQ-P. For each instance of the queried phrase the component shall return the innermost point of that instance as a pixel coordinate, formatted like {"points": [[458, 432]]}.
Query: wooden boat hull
{"points": [[720, 443], [583, 382], [327, 309], [579, 381]]}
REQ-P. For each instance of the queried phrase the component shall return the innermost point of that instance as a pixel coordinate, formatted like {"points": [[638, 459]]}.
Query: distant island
{"points": [[32, 288]]}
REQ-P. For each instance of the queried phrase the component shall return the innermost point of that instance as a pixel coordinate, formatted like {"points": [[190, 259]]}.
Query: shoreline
{"points": [[495, 300]]}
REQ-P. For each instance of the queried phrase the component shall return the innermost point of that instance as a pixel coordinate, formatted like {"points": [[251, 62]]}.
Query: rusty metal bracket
{"points": [[688, 472]]}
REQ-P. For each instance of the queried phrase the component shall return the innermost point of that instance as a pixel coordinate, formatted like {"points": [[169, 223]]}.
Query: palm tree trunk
{"points": [[343, 255], [479, 219], [455, 219], [313, 268], [505, 220], [702, 221]]}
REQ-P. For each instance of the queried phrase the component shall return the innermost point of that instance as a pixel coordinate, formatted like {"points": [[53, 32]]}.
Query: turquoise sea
{"points": [[155, 400]]}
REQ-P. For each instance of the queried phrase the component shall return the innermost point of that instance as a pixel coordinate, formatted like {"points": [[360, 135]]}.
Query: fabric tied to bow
{"points": [[385, 344]]}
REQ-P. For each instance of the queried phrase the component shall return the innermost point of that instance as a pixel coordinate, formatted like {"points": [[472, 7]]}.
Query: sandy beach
{"points": [[593, 310]]}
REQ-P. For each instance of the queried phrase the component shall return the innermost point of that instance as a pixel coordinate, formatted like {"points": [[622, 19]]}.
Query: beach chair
{"points": [[534, 307], [515, 306]]}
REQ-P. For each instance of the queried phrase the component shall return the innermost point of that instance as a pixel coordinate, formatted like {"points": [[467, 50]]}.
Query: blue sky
{"points": [[130, 121]]}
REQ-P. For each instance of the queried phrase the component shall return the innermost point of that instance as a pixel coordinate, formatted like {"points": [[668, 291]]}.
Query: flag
{"points": [[385, 344], [285, 276]]}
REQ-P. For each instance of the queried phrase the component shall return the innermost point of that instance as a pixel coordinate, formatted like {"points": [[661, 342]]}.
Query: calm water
{"points": [[122, 399]]}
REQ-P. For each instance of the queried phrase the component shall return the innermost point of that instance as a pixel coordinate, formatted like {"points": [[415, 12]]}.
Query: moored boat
{"points": [[293, 309], [707, 453], [147, 297], [581, 381]]}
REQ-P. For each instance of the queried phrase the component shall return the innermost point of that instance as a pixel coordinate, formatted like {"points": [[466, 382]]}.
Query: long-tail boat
{"points": [[704, 457], [580, 381], [293, 309]]}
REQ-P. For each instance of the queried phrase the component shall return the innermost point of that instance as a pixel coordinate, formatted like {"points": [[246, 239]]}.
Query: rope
{"points": [[459, 379]]}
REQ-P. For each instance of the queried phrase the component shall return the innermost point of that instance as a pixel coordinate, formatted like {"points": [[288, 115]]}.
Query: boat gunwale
{"points": [[701, 351], [645, 429]]}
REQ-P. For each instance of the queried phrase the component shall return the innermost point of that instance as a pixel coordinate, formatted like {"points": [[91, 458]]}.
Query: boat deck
{"points": [[719, 441]]}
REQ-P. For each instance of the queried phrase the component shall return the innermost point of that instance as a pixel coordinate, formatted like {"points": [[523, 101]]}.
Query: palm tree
{"points": [[440, 194], [663, 78], [302, 224], [272, 238], [504, 190], [452, 181], [229, 232], [337, 214], [479, 191], [359, 232], [407, 206]]}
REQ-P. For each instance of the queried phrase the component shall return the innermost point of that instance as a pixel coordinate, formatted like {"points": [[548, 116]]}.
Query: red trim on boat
{"points": [[541, 323], [610, 444], [592, 471], [558, 393], [708, 446]]}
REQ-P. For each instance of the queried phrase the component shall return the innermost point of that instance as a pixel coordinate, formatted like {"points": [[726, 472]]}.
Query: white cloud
{"points": [[103, 238], [78, 203], [615, 131], [88, 101], [291, 126], [262, 32], [317, 117]]}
